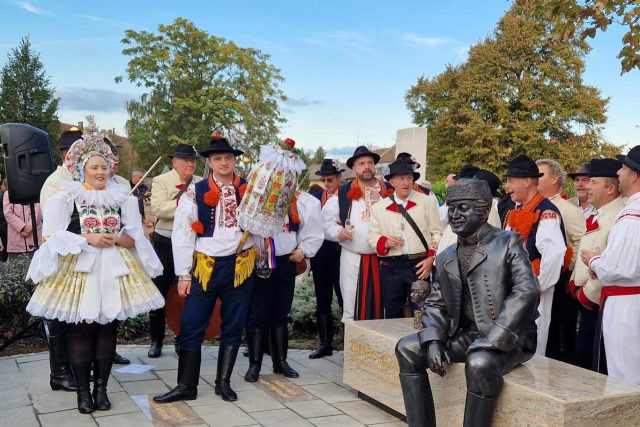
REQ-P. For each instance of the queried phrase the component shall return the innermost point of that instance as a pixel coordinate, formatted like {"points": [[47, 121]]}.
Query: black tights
{"points": [[87, 342]]}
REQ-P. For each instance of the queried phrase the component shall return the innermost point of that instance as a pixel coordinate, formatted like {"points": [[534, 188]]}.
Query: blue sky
{"points": [[347, 64]]}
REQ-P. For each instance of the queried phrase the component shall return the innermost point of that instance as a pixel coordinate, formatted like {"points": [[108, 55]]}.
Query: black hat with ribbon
{"points": [[491, 179], [220, 144], [584, 170], [523, 167], [402, 167], [362, 151], [329, 167], [605, 168], [184, 151], [632, 159], [69, 137], [466, 172]]}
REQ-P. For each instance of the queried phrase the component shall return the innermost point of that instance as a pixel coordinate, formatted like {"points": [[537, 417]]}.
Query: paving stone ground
{"points": [[317, 398]]}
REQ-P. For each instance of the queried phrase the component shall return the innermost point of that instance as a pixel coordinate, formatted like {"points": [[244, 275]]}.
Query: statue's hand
{"points": [[437, 356], [481, 344]]}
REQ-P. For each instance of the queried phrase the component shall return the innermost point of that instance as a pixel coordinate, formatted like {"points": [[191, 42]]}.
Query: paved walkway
{"points": [[317, 398]]}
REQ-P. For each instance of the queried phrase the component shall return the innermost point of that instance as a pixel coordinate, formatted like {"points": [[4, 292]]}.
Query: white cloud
{"points": [[426, 41], [31, 8], [100, 100]]}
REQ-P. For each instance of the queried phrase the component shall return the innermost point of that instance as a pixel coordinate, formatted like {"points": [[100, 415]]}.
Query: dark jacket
{"points": [[504, 293]]}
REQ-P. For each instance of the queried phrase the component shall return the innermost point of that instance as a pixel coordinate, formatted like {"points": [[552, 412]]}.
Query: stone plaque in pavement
{"points": [[167, 414], [282, 389]]}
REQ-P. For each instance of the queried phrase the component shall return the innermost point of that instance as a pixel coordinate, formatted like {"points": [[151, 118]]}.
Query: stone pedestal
{"points": [[541, 392], [414, 142]]}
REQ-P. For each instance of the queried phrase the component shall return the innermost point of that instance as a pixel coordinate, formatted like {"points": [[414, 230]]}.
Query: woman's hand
{"points": [[101, 240], [126, 241]]}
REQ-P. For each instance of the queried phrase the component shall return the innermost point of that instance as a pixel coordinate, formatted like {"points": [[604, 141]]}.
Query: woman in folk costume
{"points": [[91, 279]]}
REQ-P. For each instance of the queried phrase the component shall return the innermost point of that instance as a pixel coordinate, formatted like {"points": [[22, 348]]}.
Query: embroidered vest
{"points": [[206, 213], [344, 203]]}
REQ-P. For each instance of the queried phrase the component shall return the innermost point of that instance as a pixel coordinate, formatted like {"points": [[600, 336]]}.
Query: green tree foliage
{"points": [[575, 19], [195, 83], [519, 92], [26, 95], [319, 156]]}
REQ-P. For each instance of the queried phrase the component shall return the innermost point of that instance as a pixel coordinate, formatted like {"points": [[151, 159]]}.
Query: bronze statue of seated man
{"points": [[481, 312]]}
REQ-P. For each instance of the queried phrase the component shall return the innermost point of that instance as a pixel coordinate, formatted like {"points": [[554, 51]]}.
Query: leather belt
{"points": [[409, 257]]}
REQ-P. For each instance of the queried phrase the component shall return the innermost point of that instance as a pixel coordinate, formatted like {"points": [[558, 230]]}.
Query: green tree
{"points": [[519, 92], [195, 83], [318, 156], [575, 19], [26, 95]]}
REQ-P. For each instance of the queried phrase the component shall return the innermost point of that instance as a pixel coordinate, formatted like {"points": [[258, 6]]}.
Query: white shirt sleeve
{"points": [[183, 238], [57, 216], [330, 219], [618, 264], [551, 246], [310, 236]]}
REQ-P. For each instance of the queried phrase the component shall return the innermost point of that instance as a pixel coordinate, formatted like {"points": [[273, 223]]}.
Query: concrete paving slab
{"points": [[396, 424], [151, 387], [312, 408], [224, 415], [365, 412], [137, 419], [331, 393], [54, 401], [13, 395], [256, 400], [279, 418], [23, 416], [336, 420], [70, 418], [8, 366], [307, 378], [121, 403]]}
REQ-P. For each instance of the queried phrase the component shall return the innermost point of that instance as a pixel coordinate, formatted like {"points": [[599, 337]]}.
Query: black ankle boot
{"points": [[120, 360], [255, 341], [188, 376], [155, 350], [101, 372], [478, 411], [226, 360], [325, 329], [418, 400], [279, 344], [61, 377], [156, 330], [81, 373]]}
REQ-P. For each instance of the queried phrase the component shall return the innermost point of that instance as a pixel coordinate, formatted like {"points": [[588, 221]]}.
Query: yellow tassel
{"points": [[204, 269], [245, 264]]}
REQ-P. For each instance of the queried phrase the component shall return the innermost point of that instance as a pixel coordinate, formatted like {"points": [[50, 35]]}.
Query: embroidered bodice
{"points": [[99, 219]]}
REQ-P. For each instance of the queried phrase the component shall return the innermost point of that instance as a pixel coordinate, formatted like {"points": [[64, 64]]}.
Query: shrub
{"points": [[134, 327], [439, 190]]}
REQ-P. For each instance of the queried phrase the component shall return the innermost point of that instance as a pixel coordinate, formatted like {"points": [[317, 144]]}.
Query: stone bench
{"points": [[541, 392]]}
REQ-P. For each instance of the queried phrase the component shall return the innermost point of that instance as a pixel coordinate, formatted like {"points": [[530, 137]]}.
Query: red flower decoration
{"points": [[212, 197], [91, 222], [110, 221], [290, 142], [197, 227]]}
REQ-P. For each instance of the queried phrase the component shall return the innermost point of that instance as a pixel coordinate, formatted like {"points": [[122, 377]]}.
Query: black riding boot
{"points": [[226, 360], [478, 411], [101, 372], [325, 328], [188, 374], [156, 330], [255, 340], [418, 400], [279, 344], [81, 373], [61, 377]]}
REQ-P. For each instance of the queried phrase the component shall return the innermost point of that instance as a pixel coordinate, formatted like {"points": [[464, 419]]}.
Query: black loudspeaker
{"points": [[27, 159]]}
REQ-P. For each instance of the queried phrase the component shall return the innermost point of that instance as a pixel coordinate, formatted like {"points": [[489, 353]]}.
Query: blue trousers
{"points": [[200, 304]]}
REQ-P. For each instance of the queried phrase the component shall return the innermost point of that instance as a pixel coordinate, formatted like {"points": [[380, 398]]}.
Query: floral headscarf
{"points": [[82, 150]]}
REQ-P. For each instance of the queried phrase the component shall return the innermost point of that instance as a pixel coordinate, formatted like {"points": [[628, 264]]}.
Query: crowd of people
{"points": [[367, 240]]}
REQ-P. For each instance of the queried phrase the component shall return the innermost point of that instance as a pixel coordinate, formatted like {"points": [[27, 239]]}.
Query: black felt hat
{"points": [[491, 179], [184, 151], [409, 158], [584, 170], [466, 172], [523, 167], [605, 168], [362, 151], [632, 159], [220, 144], [69, 137], [400, 167], [329, 167]]}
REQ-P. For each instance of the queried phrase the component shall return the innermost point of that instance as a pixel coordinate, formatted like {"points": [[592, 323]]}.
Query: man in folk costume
{"points": [[405, 230], [205, 238], [604, 196], [564, 311], [301, 237], [618, 270], [539, 222], [325, 266], [346, 220], [416, 187], [581, 179], [166, 190]]}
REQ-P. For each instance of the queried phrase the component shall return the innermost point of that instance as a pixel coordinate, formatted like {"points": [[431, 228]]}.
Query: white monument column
{"points": [[414, 142]]}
